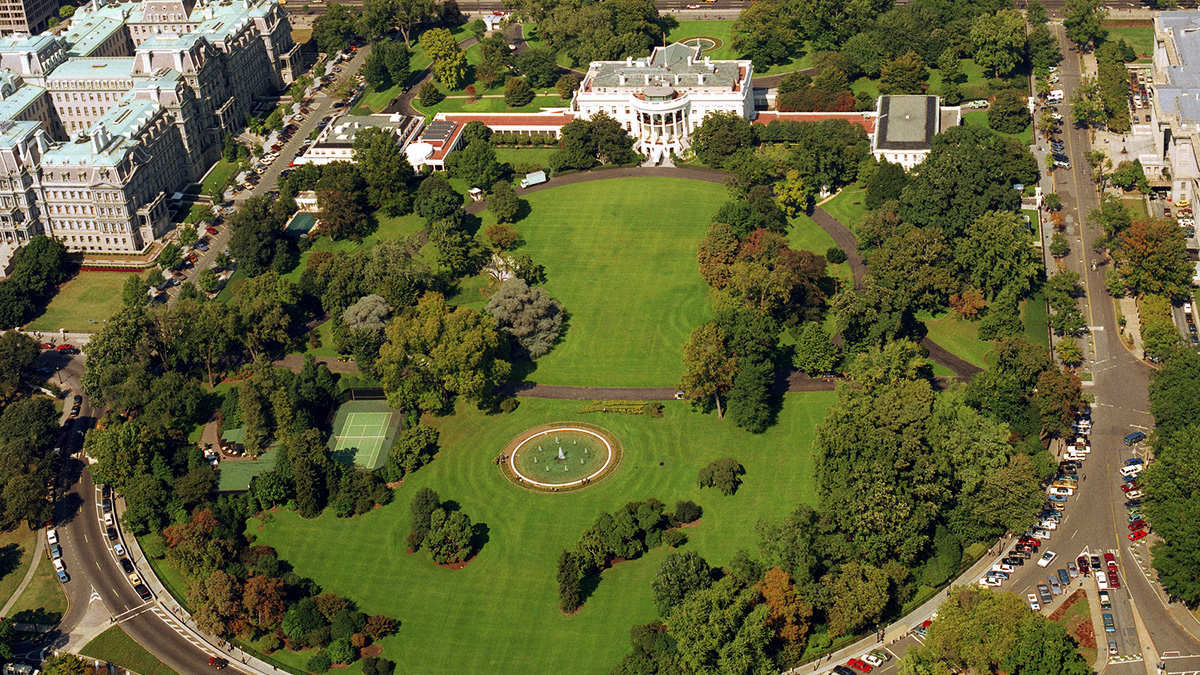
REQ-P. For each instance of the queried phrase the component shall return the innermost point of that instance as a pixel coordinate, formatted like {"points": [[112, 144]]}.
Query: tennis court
{"points": [[363, 432]]}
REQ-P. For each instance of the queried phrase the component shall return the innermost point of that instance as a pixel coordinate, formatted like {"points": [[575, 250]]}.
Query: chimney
{"points": [[39, 137], [701, 76], [691, 58], [629, 61], [97, 146], [647, 80], [179, 61], [708, 61], [621, 77]]}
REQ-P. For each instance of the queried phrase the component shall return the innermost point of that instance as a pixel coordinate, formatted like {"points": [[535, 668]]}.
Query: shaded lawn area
{"points": [[487, 105], [960, 338], [500, 613], [16, 552], [115, 646], [219, 175], [806, 235], [620, 255], [722, 30], [848, 205], [387, 228], [975, 86], [978, 118], [43, 600], [1036, 318], [83, 304], [374, 100], [539, 156], [1141, 38]]}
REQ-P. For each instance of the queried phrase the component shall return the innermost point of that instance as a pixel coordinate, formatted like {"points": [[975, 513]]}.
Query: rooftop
{"points": [[90, 31], [122, 122], [865, 120], [342, 130], [676, 65], [13, 132], [906, 122], [23, 43], [93, 68], [20, 99]]}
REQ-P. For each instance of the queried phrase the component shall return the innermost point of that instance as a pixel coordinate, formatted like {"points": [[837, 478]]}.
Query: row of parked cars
{"points": [[868, 662]]}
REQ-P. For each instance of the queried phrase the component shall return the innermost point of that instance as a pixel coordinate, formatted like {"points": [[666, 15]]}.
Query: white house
{"points": [[905, 125]]}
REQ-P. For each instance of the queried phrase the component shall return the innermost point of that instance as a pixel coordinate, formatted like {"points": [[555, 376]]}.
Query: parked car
{"points": [[1110, 626], [1135, 437], [126, 565], [859, 665], [1140, 534], [1046, 559], [1105, 601], [1112, 647], [143, 592]]}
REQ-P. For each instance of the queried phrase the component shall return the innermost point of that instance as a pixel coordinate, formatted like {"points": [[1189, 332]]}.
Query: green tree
{"points": [[263, 308], [720, 136], [18, 354], [449, 62], [429, 95], [999, 41], [517, 93], [333, 29], [723, 474], [504, 203], [384, 168], [434, 352], [750, 396], [792, 194], [449, 538], [709, 366], [722, 629], [860, 594], [1083, 23], [566, 86], [903, 75], [767, 33], [885, 184], [815, 352], [997, 253], [678, 575], [475, 164], [1009, 114], [540, 68]]}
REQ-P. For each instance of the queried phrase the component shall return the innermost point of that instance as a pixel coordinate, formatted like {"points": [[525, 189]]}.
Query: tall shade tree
{"points": [[1152, 258], [1084, 23], [709, 366], [433, 353], [263, 307], [767, 33], [999, 41], [997, 253]]}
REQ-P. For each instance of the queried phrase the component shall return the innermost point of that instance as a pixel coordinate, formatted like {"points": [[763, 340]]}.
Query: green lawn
{"points": [[620, 256], [219, 175], [1036, 319], [1141, 38], [808, 236], [960, 338], [43, 600], [848, 206], [387, 228], [500, 613], [16, 552], [83, 303], [115, 646], [979, 118], [539, 156]]}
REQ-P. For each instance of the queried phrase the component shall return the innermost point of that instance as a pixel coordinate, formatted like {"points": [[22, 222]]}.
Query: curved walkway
{"points": [[38, 549]]}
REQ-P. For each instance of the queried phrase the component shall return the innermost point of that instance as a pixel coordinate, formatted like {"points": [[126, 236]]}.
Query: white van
{"points": [[1063, 492], [1056, 96], [1131, 470]]}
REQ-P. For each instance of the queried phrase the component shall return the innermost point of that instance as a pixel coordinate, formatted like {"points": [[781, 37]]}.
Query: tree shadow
{"points": [[588, 586], [40, 616], [10, 558], [480, 535]]}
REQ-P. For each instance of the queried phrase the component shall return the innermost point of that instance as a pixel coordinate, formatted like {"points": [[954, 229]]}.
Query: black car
{"points": [[1133, 503], [1061, 157], [106, 504], [1095, 561], [77, 399], [843, 670], [142, 591], [126, 566], [106, 490], [111, 532]]}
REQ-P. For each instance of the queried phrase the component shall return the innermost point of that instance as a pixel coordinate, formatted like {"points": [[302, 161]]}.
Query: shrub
{"points": [[687, 511], [430, 95], [319, 663], [509, 404], [340, 651], [376, 666], [653, 409], [674, 538], [267, 643], [723, 474], [835, 255]]}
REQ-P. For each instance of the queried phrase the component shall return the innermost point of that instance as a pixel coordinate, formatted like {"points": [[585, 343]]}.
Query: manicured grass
{"points": [[1141, 38], [1136, 206], [539, 155], [43, 600], [83, 304], [722, 30], [848, 206], [620, 255], [219, 175], [115, 646], [979, 118], [960, 338], [1036, 319], [493, 104], [806, 235], [500, 613], [16, 552]]}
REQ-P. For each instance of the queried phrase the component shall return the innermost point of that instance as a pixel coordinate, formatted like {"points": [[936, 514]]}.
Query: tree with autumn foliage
{"points": [[773, 279], [716, 254], [709, 366], [790, 614], [263, 600], [1152, 258]]}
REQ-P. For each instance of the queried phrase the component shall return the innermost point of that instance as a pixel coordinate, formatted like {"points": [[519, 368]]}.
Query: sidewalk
{"points": [[38, 550]]}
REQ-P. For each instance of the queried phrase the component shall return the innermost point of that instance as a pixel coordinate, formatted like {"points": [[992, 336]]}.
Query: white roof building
{"points": [[336, 141]]}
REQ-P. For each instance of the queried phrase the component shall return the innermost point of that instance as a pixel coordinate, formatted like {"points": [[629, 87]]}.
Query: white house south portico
{"points": [[662, 98]]}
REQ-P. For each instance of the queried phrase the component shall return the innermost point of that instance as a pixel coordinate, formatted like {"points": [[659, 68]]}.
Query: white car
{"points": [[1039, 533], [990, 581], [1102, 581], [1033, 602], [59, 566], [108, 519], [872, 660], [1002, 567], [1133, 494], [1065, 492], [51, 536], [1047, 558], [1048, 525]]}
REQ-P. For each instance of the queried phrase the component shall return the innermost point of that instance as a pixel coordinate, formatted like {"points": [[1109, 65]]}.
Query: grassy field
{"points": [[115, 646], [848, 205], [808, 236], [629, 238], [219, 175], [43, 600], [1141, 38], [979, 118], [83, 303], [1036, 318], [16, 552], [514, 156], [500, 613], [960, 338]]}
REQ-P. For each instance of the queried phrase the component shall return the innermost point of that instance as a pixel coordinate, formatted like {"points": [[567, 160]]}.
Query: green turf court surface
{"points": [[620, 255], [500, 614], [363, 433]]}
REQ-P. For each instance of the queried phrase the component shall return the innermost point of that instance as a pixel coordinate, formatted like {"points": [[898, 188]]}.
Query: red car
{"points": [[66, 348], [1130, 486], [1030, 541], [1137, 525], [1110, 558], [211, 230], [860, 666], [1113, 581], [1134, 536], [1082, 563]]}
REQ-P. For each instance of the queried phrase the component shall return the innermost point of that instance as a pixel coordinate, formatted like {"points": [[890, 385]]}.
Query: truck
{"points": [[535, 178], [1056, 96]]}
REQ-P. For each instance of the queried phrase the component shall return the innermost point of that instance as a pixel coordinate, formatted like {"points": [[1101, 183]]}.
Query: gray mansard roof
{"points": [[676, 65], [906, 122]]}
